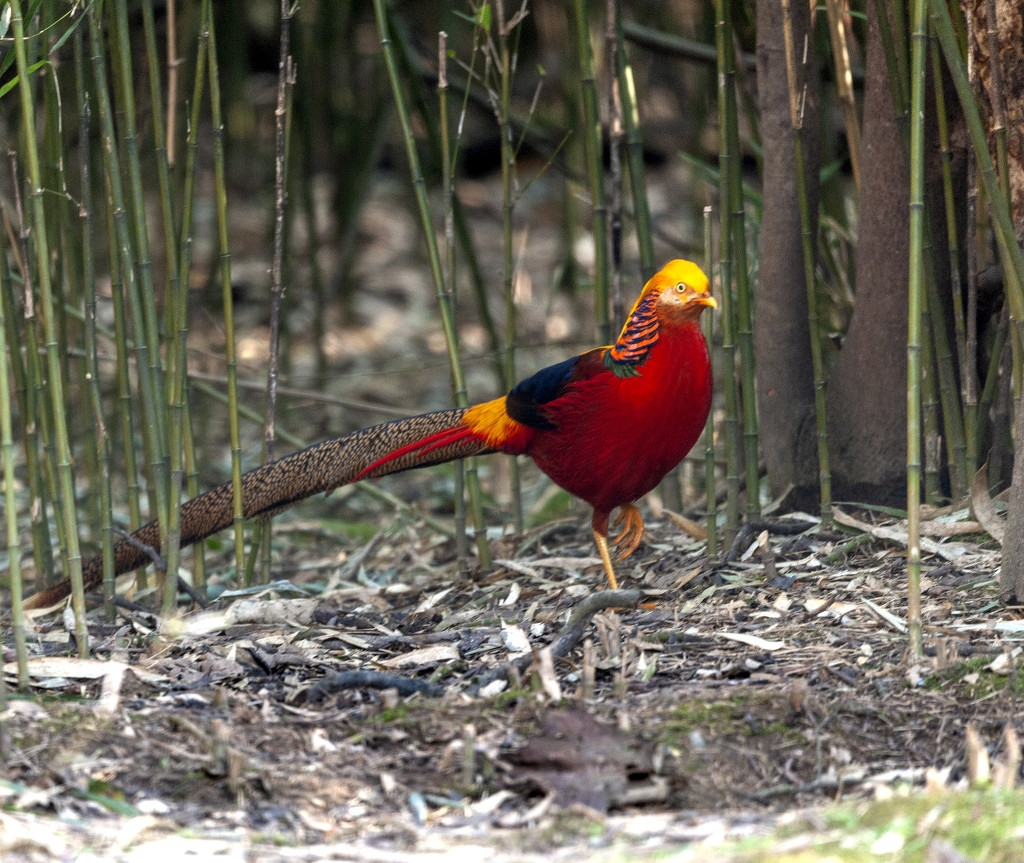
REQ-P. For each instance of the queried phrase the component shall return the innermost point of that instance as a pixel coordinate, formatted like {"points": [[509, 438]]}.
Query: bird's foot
{"points": [[632, 530]]}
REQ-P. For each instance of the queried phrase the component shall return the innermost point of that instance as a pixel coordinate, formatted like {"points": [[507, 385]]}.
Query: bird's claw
{"points": [[632, 530]]}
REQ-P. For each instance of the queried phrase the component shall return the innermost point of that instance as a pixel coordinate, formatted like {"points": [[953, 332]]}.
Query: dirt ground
{"points": [[708, 699], [728, 697]]}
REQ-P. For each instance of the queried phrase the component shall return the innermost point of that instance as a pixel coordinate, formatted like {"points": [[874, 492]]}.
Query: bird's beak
{"points": [[706, 300]]}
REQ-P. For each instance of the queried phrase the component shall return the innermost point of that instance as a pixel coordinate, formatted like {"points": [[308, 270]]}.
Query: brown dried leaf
{"points": [[984, 509]]}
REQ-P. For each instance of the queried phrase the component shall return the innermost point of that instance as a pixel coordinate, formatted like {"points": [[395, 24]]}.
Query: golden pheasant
{"points": [[606, 425]]}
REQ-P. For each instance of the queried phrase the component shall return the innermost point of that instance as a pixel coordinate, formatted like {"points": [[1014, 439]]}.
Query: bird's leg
{"points": [[632, 530], [599, 524]]}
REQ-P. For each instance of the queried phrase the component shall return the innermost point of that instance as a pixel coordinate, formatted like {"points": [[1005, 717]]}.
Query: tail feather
{"points": [[391, 447]]}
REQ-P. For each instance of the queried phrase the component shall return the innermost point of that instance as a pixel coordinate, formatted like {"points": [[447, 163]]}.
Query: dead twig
{"points": [[571, 634], [373, 680]]}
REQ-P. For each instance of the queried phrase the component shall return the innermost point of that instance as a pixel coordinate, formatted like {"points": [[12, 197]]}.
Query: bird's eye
{"points": [[681, 287]]}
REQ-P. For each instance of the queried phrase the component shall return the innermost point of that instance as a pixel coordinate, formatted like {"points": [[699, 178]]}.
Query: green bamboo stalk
{"points": [[952, 410], [123, 256], [725, 263], [282, 127], [996, 88], [423, 205], [616, 132], [817, 362], [972, 408], [930, 413], [744, 303], [409, 70], [11, 503], [124, 394], [677, 46], [968, 369], [92, 376], [635, 155], [176, 293], [25, 394], [180, 405], [38, 439], [593, 149], [916, 299], [1013, 262], [844, 84], [448, 188], [230, 360], [988, 392], [401, 40], [146, 293], [457, 235], [509, 185], [709, 427], [46, 301]]}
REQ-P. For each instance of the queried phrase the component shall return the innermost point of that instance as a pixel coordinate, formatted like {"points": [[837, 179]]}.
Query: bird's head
{"points": [[683, 291]]}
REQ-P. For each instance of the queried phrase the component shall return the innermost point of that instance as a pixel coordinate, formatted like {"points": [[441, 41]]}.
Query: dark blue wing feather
{"points": [[525, 402]]}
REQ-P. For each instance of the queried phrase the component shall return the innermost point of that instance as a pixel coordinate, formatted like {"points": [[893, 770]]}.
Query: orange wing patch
{"points": [[636, 339], [491, 422]]}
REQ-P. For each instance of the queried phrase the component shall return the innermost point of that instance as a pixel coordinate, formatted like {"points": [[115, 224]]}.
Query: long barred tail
{"points": [[391, 447]]}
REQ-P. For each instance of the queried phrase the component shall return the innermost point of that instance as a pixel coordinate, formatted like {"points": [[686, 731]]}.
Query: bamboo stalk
{"points": [[37, 412], [282, 115], [677, 46], [448, 188], [176, 293], [1013, 262], [635, 155], [124, 282], [916, 299], [952, 410], [817, 361], [92, 377], [615, 138], [710, 496], [844, 84], [145, 294], [46, 302], [423, 205], [230, 360], [410, 72], [968, 369], [996, 86], [25, 395], [11, 503], [744, 300], [180, 379], [509, 184], [593, 149], [725, 263], [457, 236], [930, 414]]}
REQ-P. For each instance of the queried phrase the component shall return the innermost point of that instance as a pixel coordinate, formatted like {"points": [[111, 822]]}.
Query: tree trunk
{"points": [[1009, 36], [867, 394], [1011, 580], [785, 378]]}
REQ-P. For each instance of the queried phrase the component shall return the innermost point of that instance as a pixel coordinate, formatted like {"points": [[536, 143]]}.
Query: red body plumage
{"points": [[617, 437], [609, 424]]}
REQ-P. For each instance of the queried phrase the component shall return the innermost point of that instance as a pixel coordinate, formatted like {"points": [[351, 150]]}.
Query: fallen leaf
{"points": [[752, 640], [424, 656], [984, 509]]}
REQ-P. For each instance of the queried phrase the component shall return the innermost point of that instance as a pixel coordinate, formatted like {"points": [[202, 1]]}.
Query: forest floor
{"points": [[735, 695], [743, 708]]}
